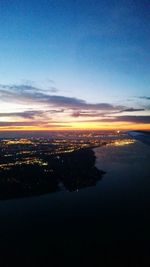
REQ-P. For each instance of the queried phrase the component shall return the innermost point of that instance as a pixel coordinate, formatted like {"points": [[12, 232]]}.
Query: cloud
{"points": [[133, 109], [81, 113], [89, 114], [52, 110], [145, 97], [26, 114], [53, 89], [132, 119], [7, 124], [30, 114], [50, 81], [17, 93], [19, 123], [123, 119], [28, 94]]}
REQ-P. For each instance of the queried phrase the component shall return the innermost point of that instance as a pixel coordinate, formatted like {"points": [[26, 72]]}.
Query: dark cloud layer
{"points": [[133, 109], [133, 119]]}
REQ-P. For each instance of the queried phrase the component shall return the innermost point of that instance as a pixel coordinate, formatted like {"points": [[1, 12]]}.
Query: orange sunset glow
{"points": [[27, 108], [80, 126]]}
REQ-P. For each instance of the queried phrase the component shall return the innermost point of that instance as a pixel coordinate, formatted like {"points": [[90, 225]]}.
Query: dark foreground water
{"points": [[106, 225]]}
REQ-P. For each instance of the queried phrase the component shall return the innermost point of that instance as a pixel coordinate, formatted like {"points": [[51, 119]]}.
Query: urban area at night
{"points": [[36, 165]]}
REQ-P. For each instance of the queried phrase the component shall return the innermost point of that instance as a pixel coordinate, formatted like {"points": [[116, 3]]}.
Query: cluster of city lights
{"points": [[29, 151]]}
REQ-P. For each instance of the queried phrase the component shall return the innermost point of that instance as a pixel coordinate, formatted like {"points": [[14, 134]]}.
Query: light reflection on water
{"points": [[123, 154], [127, 171], [123, 142]]}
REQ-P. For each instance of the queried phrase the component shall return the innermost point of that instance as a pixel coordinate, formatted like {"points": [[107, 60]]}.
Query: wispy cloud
{"points": [[103, 114], [33, 123], [26, 114], [30, 114], [44, 109], [131, 119], [27, 94], [133, 109], [123, 119], [20, 123]]}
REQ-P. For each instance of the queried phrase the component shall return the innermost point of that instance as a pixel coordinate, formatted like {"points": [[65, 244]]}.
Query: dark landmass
{"points": [[38, 165], [71, 171]]}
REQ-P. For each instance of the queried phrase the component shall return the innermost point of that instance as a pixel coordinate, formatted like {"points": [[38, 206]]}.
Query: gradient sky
{"points": [[68, 64]]}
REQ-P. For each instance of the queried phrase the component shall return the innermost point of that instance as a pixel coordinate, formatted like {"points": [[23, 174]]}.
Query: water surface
{"points": [[107, 224]]}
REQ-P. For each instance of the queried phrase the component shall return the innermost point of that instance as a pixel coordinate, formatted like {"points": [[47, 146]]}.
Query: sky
{"points": [[72, 64]]}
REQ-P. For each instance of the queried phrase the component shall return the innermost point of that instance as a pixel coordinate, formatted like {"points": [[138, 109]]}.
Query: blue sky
{"points": [[97, 51]]}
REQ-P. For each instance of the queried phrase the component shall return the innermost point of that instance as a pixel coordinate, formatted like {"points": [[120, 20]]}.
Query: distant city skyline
{"points": [[72, 64]]}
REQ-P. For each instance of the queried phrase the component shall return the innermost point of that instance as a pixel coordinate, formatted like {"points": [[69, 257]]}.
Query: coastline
{"points": [[75, 171]]}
